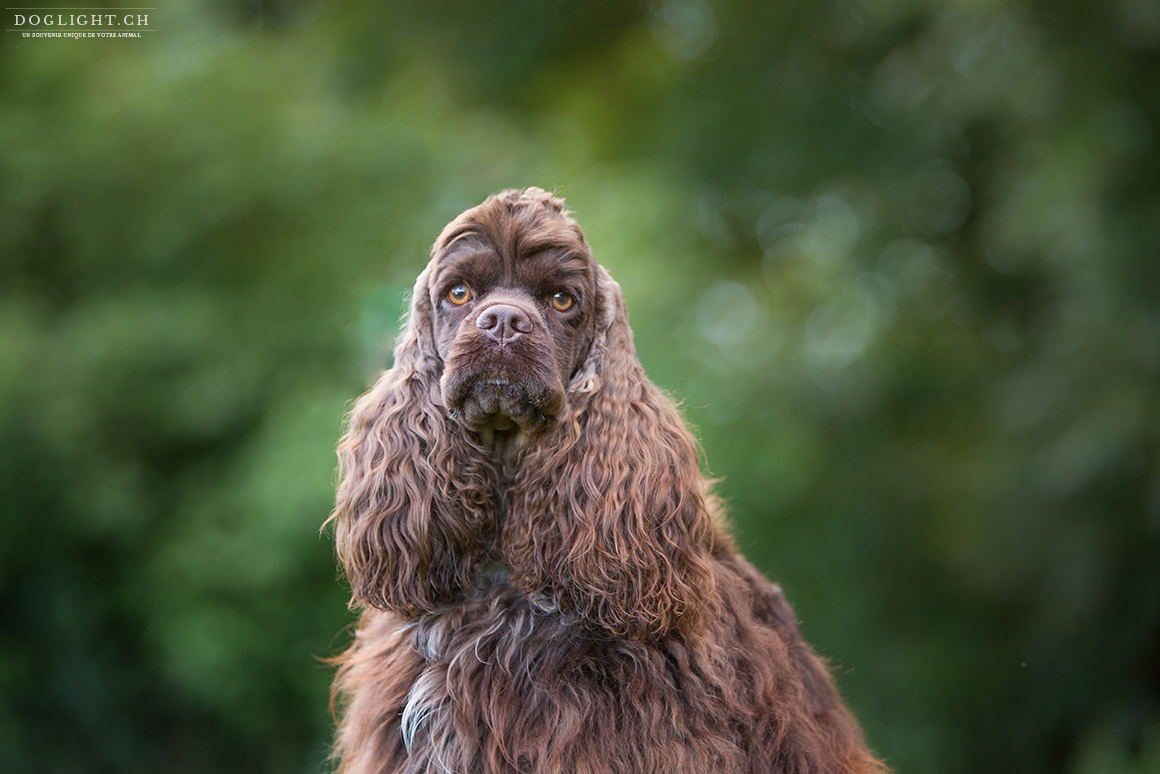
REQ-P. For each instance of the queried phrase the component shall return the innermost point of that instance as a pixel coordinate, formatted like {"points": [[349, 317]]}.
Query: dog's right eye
{"points": [[459, 295]]}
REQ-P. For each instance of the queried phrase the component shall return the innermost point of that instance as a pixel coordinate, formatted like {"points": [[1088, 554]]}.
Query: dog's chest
{"points": [[507, 687]]}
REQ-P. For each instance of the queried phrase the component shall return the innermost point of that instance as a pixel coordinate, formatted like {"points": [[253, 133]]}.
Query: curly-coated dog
{"points": [[545, 581]]}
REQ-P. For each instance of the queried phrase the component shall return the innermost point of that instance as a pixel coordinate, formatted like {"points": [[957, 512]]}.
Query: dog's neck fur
{"points": [[504, 448]]}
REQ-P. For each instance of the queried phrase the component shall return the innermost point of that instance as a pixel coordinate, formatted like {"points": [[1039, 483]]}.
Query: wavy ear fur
{"points": [[414, 508], [607, 516]]}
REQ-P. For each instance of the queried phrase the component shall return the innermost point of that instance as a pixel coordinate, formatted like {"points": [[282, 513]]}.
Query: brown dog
{"points": [[545, 580]]}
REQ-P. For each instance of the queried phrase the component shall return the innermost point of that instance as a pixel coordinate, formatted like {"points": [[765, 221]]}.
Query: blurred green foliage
{"points": [[897, 257]]}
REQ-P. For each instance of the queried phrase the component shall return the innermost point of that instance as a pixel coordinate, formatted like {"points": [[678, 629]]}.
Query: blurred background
{"points": [[897, 258]]}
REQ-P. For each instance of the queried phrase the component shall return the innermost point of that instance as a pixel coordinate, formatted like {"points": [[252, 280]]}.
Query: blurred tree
{"points": [[899, 258]]}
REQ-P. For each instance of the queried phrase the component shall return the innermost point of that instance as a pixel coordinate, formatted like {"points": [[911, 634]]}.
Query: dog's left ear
{"points": [[608, 516]]}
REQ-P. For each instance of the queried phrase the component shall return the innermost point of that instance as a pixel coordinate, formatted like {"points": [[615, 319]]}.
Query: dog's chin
{"points": [[495, 402]]}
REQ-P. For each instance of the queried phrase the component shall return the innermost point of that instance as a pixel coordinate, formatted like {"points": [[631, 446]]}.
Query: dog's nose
{"points": [[503, 323]]}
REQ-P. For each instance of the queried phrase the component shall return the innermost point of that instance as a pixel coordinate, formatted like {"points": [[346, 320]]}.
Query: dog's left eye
{"points": [[562, 302]]}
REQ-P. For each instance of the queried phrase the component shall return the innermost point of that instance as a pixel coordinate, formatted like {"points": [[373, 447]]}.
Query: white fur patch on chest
{"points": [[426, 703]]}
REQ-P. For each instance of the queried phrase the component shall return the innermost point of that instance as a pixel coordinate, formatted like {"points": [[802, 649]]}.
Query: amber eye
{"points": [[562, 302], [459, 295]]}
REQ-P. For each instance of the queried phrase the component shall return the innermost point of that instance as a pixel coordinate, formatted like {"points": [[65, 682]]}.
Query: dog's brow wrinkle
{"points": [[473, 259]]}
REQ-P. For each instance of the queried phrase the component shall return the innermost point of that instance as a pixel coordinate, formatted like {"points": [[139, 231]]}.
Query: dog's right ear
{"points": [[414, 504]]}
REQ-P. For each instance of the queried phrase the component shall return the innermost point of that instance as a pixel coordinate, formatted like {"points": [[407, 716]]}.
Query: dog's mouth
{"points": [[495, 399]]}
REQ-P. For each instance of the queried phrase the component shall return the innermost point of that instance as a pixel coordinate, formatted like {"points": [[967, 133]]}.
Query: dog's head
{"points": [[512, 288]]}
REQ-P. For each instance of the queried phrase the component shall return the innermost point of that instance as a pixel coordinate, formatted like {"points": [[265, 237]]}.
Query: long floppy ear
{"points": [[608, 516], [414, 503]]}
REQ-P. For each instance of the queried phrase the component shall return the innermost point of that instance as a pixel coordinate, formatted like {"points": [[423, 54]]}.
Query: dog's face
{"points": [[512, 296]]}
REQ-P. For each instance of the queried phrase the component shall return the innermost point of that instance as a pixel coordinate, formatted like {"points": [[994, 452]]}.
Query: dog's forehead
{"points": [[529, 259]]}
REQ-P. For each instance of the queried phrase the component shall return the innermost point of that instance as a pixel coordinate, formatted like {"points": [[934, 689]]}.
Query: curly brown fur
{"points": [[544, 580]]}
